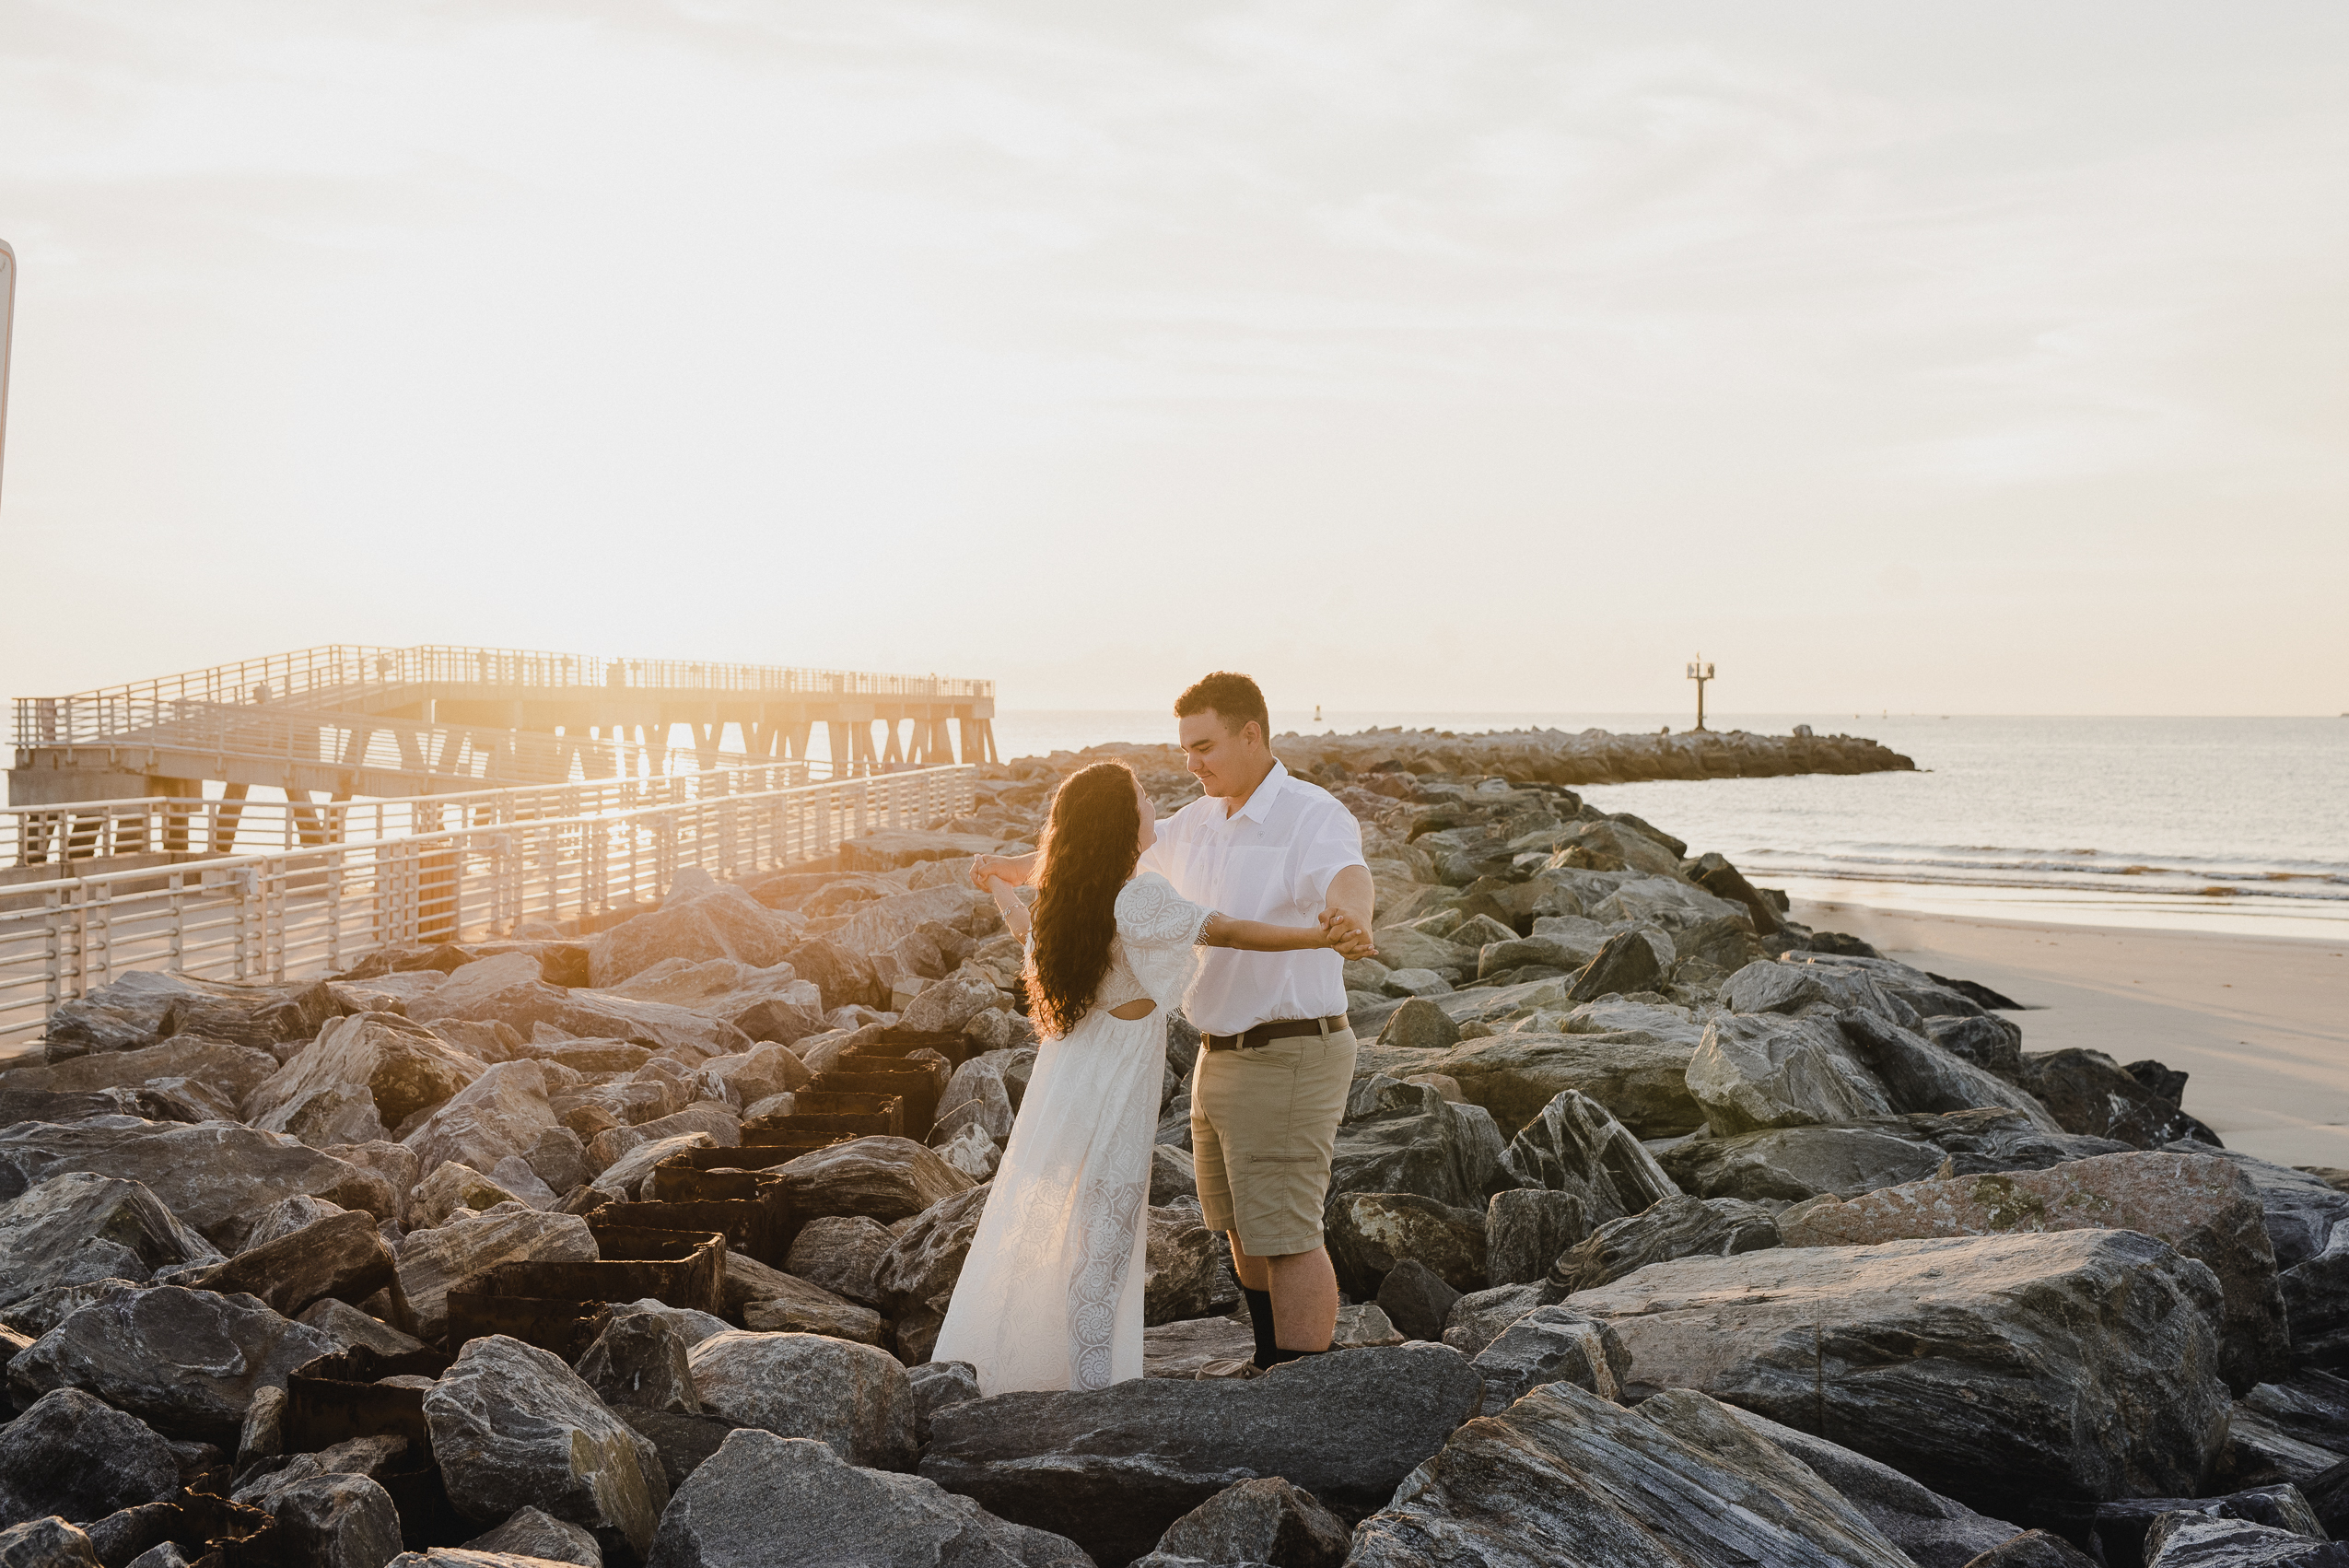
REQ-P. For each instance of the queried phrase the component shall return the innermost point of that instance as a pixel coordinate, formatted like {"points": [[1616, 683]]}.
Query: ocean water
{"points": [[2237, 825]]}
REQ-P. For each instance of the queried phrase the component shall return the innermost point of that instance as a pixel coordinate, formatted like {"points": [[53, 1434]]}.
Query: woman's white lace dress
{"points": [[1051, 1295]]}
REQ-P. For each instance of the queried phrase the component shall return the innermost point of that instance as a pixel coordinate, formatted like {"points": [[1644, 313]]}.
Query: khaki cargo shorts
{"points": [[1263, 1125]]}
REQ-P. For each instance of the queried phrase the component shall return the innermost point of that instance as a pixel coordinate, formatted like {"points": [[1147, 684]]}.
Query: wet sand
{"points": [[2260, 1023]]}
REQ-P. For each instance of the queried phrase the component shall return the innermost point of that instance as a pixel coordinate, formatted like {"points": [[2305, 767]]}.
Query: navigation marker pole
{"points": [[1700, 671], [7, 320]]}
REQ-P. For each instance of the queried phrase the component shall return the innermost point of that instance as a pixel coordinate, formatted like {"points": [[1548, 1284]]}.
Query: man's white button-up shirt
{"points": [[1273, 859]]}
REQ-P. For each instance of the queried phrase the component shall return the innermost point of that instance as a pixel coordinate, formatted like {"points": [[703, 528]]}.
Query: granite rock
{"points": [[72, 1455], [1795, 1162], [512, 1425], [78, 1228], [1564, 1476], [402, 1067], [1552, 1344], [216, 1176], [1267, 1521], [640, 1359], [2073, 1363], [1113, 1467], [764, 1501], [434, 1262], [1679, 1226], [1370, 1233], [855, 1398], [187, 1363], [2203, 1206], [880, 1178], [533, 1532]]}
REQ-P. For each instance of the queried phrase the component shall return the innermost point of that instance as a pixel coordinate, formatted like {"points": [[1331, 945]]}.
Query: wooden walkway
{"points": [[345, 720]]}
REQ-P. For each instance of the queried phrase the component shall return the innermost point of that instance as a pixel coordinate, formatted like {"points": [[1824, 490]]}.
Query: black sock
{"points": [[1265, 1363], [1260, 1315]]}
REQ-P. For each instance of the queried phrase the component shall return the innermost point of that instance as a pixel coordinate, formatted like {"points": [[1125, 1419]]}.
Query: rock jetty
{"points": [[1672, 1232]]}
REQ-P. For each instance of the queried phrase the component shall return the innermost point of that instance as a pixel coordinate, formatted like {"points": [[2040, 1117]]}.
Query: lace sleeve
{"points": [[1151, 914]]}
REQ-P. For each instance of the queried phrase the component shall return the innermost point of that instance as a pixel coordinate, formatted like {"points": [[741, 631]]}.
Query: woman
{"points": [[1051, 1295]]}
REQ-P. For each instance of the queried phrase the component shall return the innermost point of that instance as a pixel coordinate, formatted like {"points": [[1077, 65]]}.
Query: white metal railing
{"points": [[318, 738], [311, 911], [345, 675], [96, 830]]}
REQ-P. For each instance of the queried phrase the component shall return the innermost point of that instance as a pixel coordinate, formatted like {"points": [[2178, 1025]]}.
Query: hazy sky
{"points": [[1981, 358]]}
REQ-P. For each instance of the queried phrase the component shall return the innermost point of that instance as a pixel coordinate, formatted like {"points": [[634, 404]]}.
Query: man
{"points": [[1277, 1054]]}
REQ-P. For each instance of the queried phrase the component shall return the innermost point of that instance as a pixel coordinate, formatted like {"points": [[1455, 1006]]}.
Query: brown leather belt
{"points": [[1278, 1029]]}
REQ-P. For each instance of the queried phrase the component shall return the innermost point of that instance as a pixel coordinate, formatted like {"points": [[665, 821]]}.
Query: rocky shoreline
{"points": [[1673, 1231], [1547, 756]]}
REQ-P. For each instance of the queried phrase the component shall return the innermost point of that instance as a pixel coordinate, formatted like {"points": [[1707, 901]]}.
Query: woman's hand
{"points": [[1344, 933]]}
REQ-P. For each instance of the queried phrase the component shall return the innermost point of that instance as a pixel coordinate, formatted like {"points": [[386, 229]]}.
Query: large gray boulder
{"points": [[1564, 1476], [639, 1359], [1573, 1145], [976, 1096], [842, 1253], [1552, 1344], [701, 920], [855, 1398], [2078, 1363], [1111, 1469], [1187, 1273], [402, 1067], [1266, 1520], [79, 1227], [770, 1004], [228, 1073], [2203, 1205], [533, 1532], [1408, 1138], [1370, 1233], [1679, 1226], [72, 1455], [1795, 1162], [334, 1520], [762, 1501], [1639, 1075], [187, 1363], [511, 1425], [214, 1176], [2301, 1208], [148, 1005], [47, 1542], [434, 1262], [884, 1179], [1933, 1530], [1762, 1071], [2088, 1092], [341, 1255], [503, 1113], [915, 1278]]}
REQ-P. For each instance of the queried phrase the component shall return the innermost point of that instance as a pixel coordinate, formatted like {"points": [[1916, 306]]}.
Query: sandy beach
{"points": [[2258, 1021]]}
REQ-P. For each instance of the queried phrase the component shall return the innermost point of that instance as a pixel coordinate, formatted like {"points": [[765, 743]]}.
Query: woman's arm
{"points": [[1255, 936], [1015, 914]]}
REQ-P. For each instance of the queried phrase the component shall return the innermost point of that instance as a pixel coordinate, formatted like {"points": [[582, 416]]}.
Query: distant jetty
{"points": [[1555, 756]]}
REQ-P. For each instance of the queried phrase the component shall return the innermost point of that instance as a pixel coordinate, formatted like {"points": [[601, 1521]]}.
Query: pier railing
{"points": [[344, 674], [74, 831], [313, 911]]}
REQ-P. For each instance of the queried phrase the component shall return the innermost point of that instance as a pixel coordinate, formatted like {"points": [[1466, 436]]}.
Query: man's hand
{"points": [[1013, 868], [1345, 933]]}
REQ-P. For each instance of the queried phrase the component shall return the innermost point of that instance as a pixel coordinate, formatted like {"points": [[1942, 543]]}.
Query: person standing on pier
{"points": [[1277, 1051]]}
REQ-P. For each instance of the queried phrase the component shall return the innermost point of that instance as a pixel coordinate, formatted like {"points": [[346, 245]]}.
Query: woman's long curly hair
{"points": [[1091, 844]]}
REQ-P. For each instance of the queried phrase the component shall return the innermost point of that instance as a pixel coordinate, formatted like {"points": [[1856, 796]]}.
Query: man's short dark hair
{"points": [[1232, 697]]}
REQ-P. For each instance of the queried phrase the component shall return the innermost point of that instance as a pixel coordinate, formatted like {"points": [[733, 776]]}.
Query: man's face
{"points": [[1222, 762]]}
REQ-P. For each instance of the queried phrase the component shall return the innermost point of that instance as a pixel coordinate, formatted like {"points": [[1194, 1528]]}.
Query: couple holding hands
{"points": [[1242, 907]]}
